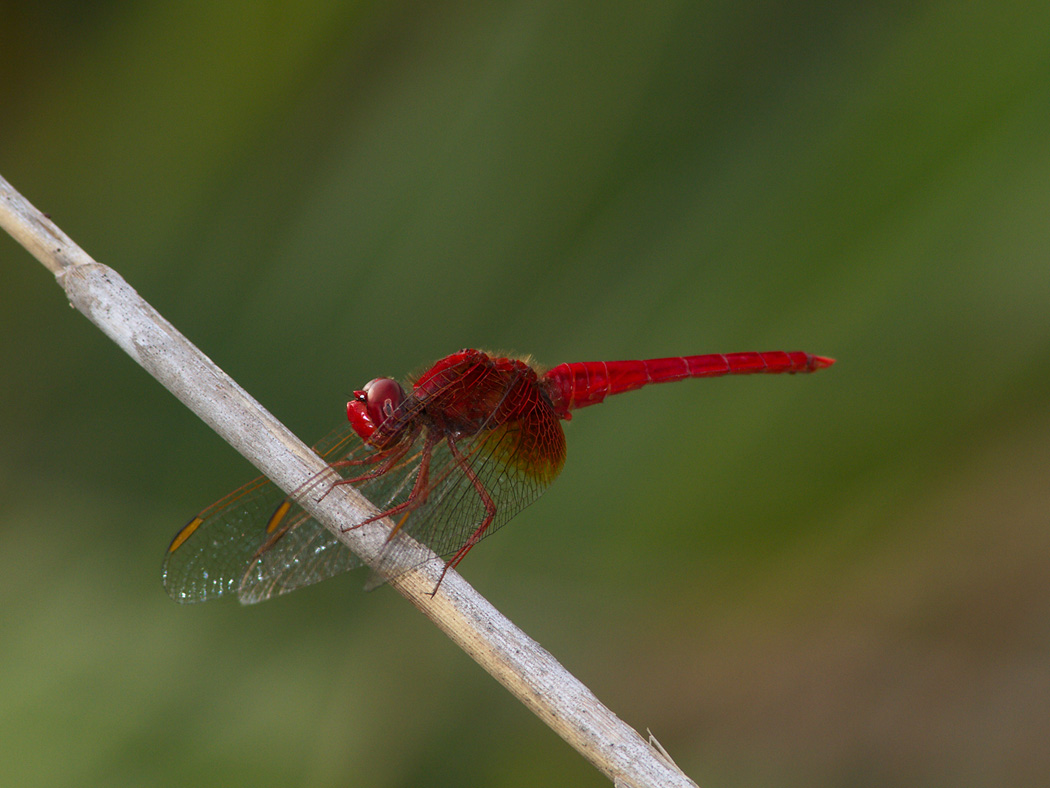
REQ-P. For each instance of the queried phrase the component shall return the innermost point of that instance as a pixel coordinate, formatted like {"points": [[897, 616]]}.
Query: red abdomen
{"points": [[583, 383]]}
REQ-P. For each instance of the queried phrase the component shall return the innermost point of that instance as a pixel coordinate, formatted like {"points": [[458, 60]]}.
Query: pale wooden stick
{"points": [[512, 657]]}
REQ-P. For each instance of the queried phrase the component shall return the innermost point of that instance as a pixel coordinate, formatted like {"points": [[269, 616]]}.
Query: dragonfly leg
{"points": [[386, 459], [277, 526], [486, 501], [383, 456], [416, 497]]}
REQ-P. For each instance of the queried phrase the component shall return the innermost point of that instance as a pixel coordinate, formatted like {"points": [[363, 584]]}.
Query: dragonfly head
{"points": [[373, 405]]}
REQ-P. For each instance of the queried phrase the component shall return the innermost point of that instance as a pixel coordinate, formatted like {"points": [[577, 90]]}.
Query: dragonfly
{"points": [[451, 457]]}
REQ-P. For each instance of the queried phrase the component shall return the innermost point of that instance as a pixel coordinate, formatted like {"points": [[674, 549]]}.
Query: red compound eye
{"points": [[373, 405]]}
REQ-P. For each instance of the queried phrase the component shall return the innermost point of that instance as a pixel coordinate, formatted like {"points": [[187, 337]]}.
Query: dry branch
{"points": [[512, 657]]}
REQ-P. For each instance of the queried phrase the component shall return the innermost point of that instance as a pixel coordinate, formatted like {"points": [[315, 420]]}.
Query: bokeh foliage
{"points": [[834, 580]]}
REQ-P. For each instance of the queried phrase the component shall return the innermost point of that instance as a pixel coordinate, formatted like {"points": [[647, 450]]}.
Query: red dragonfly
{"points": [[475, 440]]}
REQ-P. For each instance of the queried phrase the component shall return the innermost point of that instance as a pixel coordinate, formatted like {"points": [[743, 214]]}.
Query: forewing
{"points": [[305, 553], [256, 543]]}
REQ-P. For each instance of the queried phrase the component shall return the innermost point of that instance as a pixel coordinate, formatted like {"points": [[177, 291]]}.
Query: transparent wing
{"points": [[232, 546], [464, 490], [257, 543]]}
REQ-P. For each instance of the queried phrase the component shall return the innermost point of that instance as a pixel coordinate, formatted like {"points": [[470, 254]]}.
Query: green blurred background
{"points": [[831, 580]]}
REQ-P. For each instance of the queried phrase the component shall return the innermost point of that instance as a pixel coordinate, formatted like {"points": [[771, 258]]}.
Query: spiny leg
{"points": [[419, 492], [416, 497], [486, 501], [387, 459]]}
